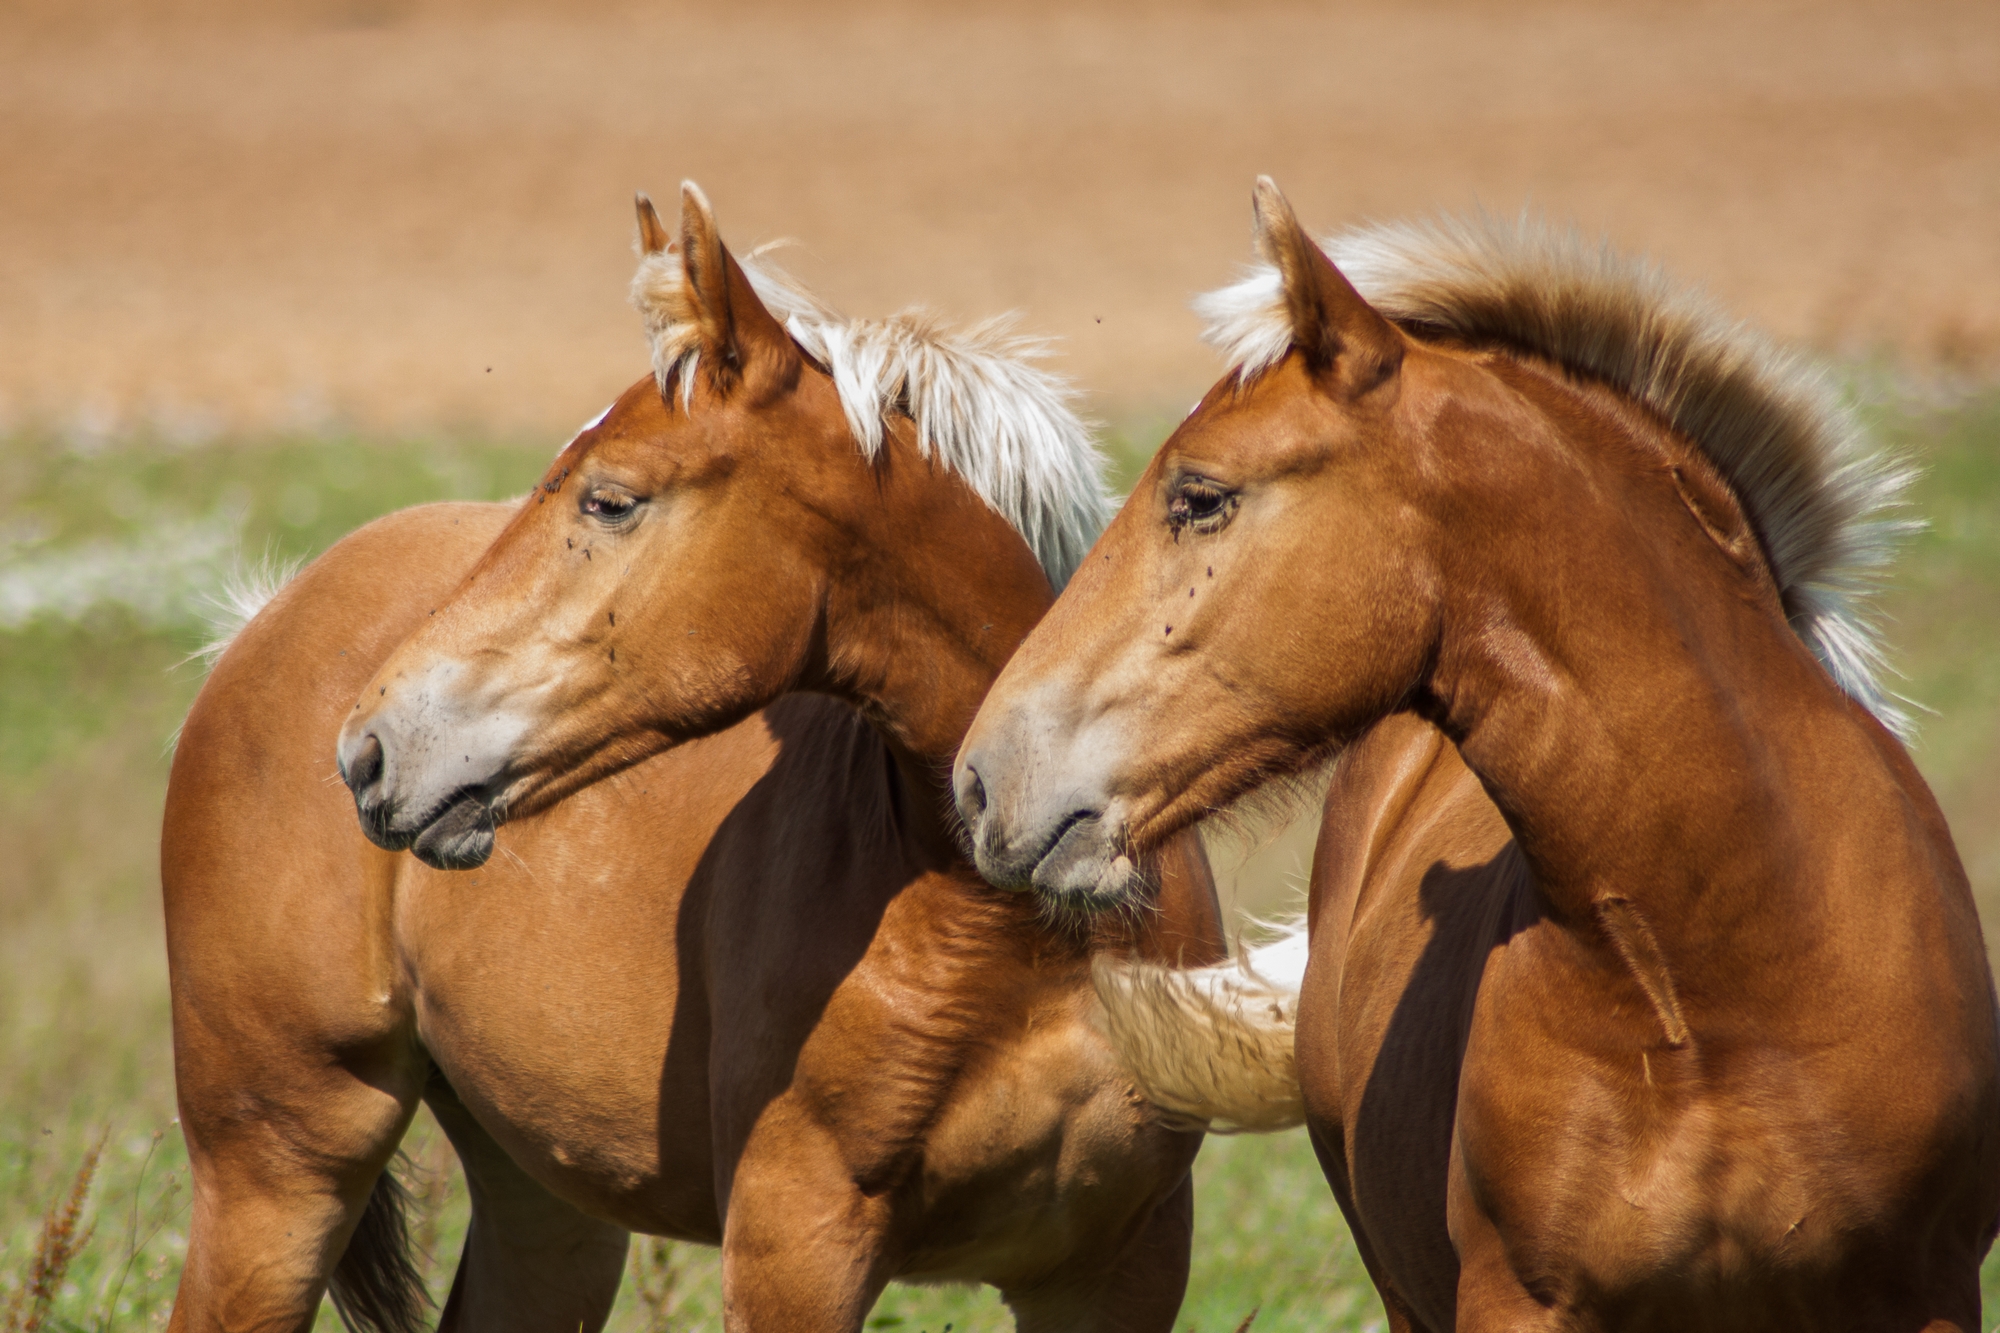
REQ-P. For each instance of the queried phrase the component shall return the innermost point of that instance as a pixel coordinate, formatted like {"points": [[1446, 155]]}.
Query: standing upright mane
{"points": [[1820, 494], [980, 403]]}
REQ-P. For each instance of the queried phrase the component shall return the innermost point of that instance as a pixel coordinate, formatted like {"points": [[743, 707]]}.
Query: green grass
{"points": [[90, 696], [88, 702], [1944, 620]]}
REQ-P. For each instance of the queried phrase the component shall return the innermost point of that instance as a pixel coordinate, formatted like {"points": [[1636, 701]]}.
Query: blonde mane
{"points": [[980, 403], [1821, 495]]}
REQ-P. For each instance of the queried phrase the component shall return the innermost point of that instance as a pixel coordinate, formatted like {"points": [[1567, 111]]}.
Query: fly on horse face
{"points": [[712, 964], [1644, 988]]}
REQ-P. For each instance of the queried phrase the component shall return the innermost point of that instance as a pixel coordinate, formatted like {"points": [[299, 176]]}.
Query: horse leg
{"points": [[802, 1247], [1140, 1292], [1491, 1298], [1328, 1145], [531, 1261], [1398, 1314], [287, 1173]]}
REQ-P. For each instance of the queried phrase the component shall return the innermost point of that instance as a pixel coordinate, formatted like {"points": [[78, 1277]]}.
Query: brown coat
{"points": [[727, 974], [1645, 988]]}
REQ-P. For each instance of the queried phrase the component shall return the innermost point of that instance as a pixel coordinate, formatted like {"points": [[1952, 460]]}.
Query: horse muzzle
{"points": [[427, 777], [1038, 825]]}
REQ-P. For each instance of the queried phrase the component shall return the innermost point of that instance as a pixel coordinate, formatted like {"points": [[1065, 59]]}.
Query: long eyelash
{"points": [[1180, 510]]}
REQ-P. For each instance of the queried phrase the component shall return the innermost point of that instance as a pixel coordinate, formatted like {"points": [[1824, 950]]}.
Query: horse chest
{"points": [[1643, 1184], [1511, 1126], [1042, 1143]]}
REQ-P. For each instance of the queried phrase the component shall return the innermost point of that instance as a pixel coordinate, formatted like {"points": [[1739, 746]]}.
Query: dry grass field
{"points": [[269, 269]]}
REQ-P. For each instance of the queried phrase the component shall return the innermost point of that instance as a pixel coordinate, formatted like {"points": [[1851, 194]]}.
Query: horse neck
{"points": [[1631, 697], [936, 596], [928, 599]]}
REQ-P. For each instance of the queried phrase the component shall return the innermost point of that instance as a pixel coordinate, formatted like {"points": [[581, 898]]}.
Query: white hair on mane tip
{"points": [[980, 402], [1820, 493]]}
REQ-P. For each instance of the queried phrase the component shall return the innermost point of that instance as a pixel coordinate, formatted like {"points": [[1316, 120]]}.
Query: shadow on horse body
{"points": [[1415, 884], [1643, 987], [709, 964]]}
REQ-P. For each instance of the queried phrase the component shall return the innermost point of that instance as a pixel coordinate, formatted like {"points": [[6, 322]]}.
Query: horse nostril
{"points": [[366, 766], [971, 796]]}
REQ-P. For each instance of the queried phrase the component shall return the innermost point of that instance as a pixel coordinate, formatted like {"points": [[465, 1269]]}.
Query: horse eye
{"points": [[610, 506], [1200, 504]]}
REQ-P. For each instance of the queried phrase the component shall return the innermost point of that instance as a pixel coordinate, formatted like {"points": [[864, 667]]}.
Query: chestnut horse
{"points": [[1644, 986], [730, 977]]}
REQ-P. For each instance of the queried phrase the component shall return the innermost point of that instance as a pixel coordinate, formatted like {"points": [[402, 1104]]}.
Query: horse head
{"points": [[1215, 587], [713, 540]]}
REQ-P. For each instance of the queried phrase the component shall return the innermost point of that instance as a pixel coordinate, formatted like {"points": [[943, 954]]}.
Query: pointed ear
{"points": [[740, 338], [653, 237], [1338, 333]]}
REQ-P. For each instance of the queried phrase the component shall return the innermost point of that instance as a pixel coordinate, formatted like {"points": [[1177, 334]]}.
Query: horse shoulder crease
{"points": [[1640, 949]]}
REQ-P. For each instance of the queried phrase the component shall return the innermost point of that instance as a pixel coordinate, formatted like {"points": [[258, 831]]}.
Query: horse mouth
{"points": [[1083, 863], [456, 835], [1080, 866]]}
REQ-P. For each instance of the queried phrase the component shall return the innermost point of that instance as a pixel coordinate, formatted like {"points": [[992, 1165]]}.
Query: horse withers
{"points": [[711, 964], [1644, 987]]}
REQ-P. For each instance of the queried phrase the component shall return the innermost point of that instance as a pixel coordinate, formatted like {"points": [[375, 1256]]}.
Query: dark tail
{"points": [[376, 1286]]}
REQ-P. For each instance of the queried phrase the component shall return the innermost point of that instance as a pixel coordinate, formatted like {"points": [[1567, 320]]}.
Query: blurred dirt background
{"points": [[229, 216], [270, 268]]}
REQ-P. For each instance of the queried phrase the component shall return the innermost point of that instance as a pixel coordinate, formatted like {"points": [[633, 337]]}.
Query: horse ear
{"points": [[653, 237], [738, 334], [1332, 326]]}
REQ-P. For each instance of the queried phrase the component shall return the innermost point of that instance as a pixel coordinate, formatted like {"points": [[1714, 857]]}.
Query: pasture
{"points": [[108, 552]]}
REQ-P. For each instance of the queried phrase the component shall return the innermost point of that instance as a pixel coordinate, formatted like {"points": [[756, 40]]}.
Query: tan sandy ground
{"points": [[237, 216]]}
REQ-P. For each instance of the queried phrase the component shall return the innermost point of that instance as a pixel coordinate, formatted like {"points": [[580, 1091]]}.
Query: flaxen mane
{"points": [[1820, 494], [979, 401]]}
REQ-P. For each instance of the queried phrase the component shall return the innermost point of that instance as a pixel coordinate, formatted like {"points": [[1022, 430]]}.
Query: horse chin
{"points": [[459, 838], [1085, 871], [1115, 893]]}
